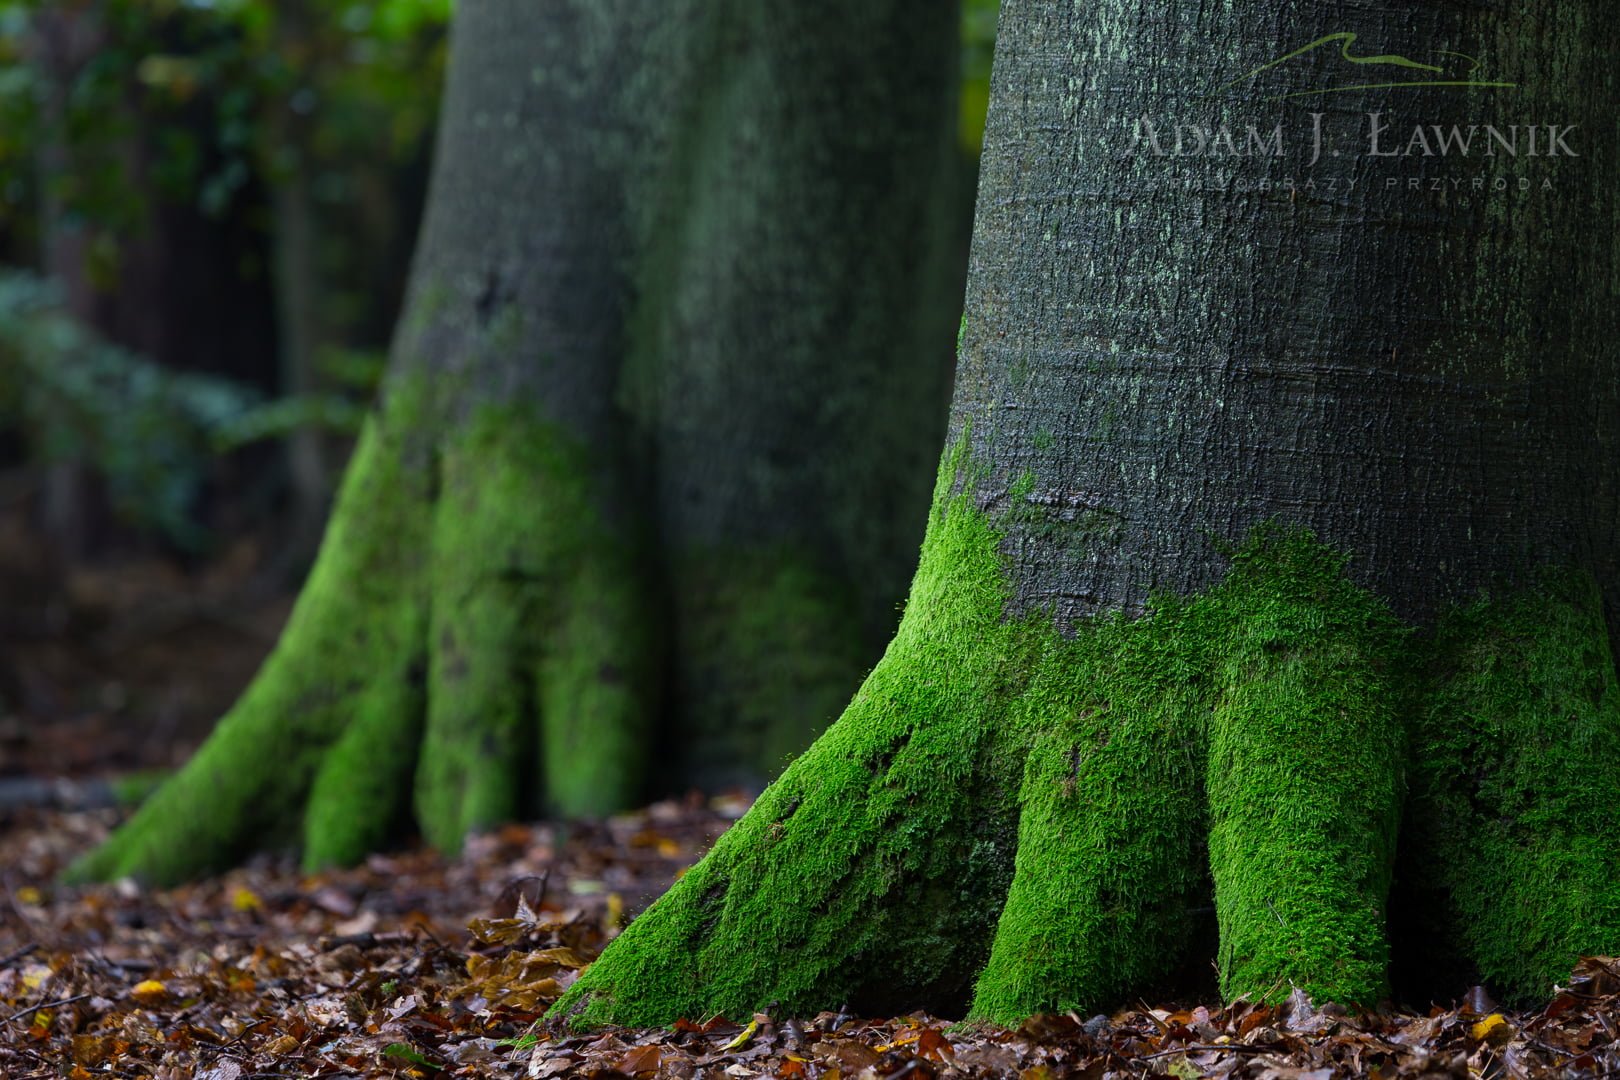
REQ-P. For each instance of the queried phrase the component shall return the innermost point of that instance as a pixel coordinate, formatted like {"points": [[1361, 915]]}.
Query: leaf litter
{"points": [[413, 966]]}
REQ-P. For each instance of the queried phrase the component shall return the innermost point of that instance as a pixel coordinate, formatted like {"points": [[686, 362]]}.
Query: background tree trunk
{"points": [[145, 274], [636, 339], [791, 357], [1214, 439], [297, 279]]}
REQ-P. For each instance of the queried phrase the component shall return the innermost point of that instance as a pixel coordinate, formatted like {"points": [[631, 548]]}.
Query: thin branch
{"points": [[46, 1005]]}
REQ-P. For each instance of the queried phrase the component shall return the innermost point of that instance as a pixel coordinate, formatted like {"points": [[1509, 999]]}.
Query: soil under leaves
{"points": [[414, 966]]}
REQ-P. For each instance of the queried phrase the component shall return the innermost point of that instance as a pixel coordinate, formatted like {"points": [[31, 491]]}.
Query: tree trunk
{"points": [[792, 359], [1266, 500], [632, 318], [146, 273], [297, 290], [61, 43]]}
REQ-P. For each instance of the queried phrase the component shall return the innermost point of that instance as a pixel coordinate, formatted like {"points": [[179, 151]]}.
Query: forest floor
{"points": [[121, 664], [417, 966]]}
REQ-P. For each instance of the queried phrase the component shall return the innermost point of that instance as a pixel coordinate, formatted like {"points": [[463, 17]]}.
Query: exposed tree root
{"points": [[471, 624], [1510, 863], [1046, 814]]}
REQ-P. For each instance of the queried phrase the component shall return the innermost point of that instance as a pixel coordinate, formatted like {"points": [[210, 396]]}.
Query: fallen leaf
{"points": [[149, 992], [1494, 1029], [281, 1046], [1179, 1066], [934, 1046], [742, 1036], [641, 1061]]}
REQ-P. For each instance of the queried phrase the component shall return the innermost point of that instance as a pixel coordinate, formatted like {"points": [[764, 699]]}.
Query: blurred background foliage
{"points": [[206, 212], [156, 156], [978, 47]]}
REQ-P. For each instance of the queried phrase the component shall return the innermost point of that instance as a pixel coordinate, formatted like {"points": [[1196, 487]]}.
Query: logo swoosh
{"points": [[1347, 38]]}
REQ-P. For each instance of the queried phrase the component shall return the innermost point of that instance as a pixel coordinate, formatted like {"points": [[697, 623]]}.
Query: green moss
{"points": [[538, 609], [1304, 775], [358, 802], [873, 869], [594, 683], [1254, 715], [881, 866], [1111, 828], [1040, 818], [132, 789], [768, 650], [1510, 867], [467, 577], [1021, 490]]}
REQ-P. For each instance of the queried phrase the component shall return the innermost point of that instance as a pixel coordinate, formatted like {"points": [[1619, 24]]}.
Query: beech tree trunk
{"points": [[1269, 558], [645, 464]]}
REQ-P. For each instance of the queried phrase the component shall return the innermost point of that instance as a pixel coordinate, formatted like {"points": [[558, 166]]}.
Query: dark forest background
{"points": [[207, 211]]}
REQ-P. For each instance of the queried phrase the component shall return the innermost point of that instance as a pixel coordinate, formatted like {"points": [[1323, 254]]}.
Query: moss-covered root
{"points": [[1510, 863], [467, 585], [1304, 776], [1257, 715], [872, 871], [338, 698], [539, 610], [1111, 831], [595, 680]]}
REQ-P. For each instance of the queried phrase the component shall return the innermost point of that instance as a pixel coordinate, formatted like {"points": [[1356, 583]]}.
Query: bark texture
{"points": [[1425, 378], [792, 354], [678, 274], [1272, 516]]}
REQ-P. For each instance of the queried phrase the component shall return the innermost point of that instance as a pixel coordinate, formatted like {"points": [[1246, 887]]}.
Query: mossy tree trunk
{"points": [[793, 367], [668, 250], [1273, 560]]}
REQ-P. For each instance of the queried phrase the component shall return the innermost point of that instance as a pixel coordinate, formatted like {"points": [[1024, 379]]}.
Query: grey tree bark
{"points": [[1420, 371]]}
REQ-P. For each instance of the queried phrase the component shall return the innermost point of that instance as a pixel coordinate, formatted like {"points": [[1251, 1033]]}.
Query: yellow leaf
{"points": [[245, 899], [149, 992], [1494, 1029], [747, 1033], [561, 956], [27, 894]]}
